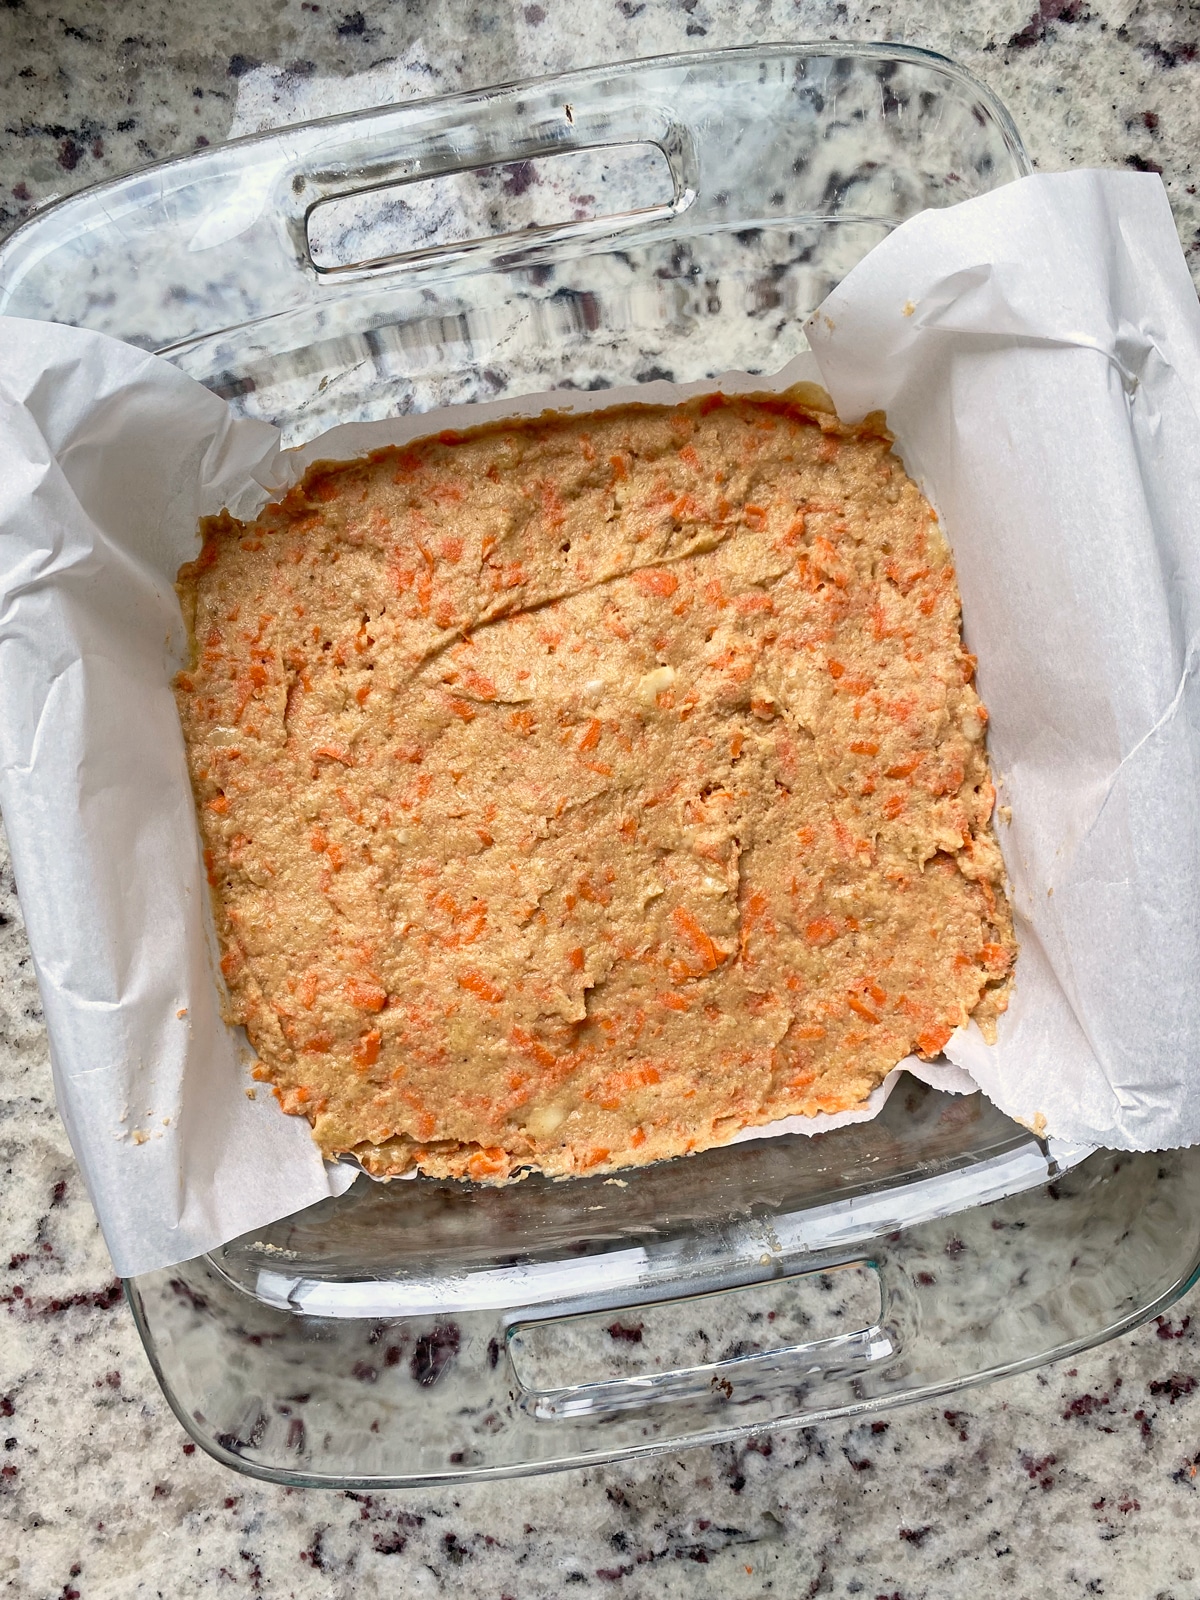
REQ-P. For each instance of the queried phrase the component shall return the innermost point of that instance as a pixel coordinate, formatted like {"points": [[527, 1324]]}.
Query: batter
{"points": [[578, 792]]}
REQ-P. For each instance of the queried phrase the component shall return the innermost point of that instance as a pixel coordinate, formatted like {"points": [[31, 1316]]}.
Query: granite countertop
{"points": [[1078, 1478]]}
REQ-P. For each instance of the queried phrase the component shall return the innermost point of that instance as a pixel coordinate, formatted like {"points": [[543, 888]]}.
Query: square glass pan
{"points": [[426, 1331]]}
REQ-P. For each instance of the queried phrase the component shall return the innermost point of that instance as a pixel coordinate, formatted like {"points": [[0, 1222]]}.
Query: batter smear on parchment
{"points": [[578, 792]]}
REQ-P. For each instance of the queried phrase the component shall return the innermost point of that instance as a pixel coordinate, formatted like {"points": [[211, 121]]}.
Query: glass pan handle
{"points": [[776, 1338], [784, 1372]]}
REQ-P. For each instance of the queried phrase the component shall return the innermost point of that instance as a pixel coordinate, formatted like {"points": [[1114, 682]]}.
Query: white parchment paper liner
{"points": [[1066, 494]]}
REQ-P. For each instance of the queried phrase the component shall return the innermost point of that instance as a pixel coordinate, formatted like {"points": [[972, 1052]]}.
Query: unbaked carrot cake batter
{"points": [[578, 792]]}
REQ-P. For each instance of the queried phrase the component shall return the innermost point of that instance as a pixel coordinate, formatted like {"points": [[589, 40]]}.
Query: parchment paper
{"points": [[1066, 495]]}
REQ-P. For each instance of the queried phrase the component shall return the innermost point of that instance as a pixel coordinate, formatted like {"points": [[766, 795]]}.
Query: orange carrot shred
{"points": [[657, 581], [365, 996], [933, 1039], [366, 1051], [477, 984], [862, 1009], [710, 957]]}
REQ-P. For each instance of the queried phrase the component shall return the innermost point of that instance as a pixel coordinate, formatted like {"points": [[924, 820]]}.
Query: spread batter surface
{"points": [[578, 792]]}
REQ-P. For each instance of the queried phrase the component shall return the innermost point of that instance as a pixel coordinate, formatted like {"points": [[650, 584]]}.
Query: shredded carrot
{"points": [[755, 911], [995, 957], [366, 1051], [611, 1093], [933, 1039], [365, 996], [488, 1163], [862, 1009], [904, 769], [477, 984], [847, 843], [656, 581], [821, 931], [686, 924], [533, 1047], [475, 683]]}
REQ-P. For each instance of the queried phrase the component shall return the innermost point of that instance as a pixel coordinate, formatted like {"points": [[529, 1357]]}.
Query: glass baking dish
{"points": [[665, 219]]}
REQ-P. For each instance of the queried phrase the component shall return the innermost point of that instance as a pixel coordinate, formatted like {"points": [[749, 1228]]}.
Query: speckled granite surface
{"points": [[1078, 1479]]}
